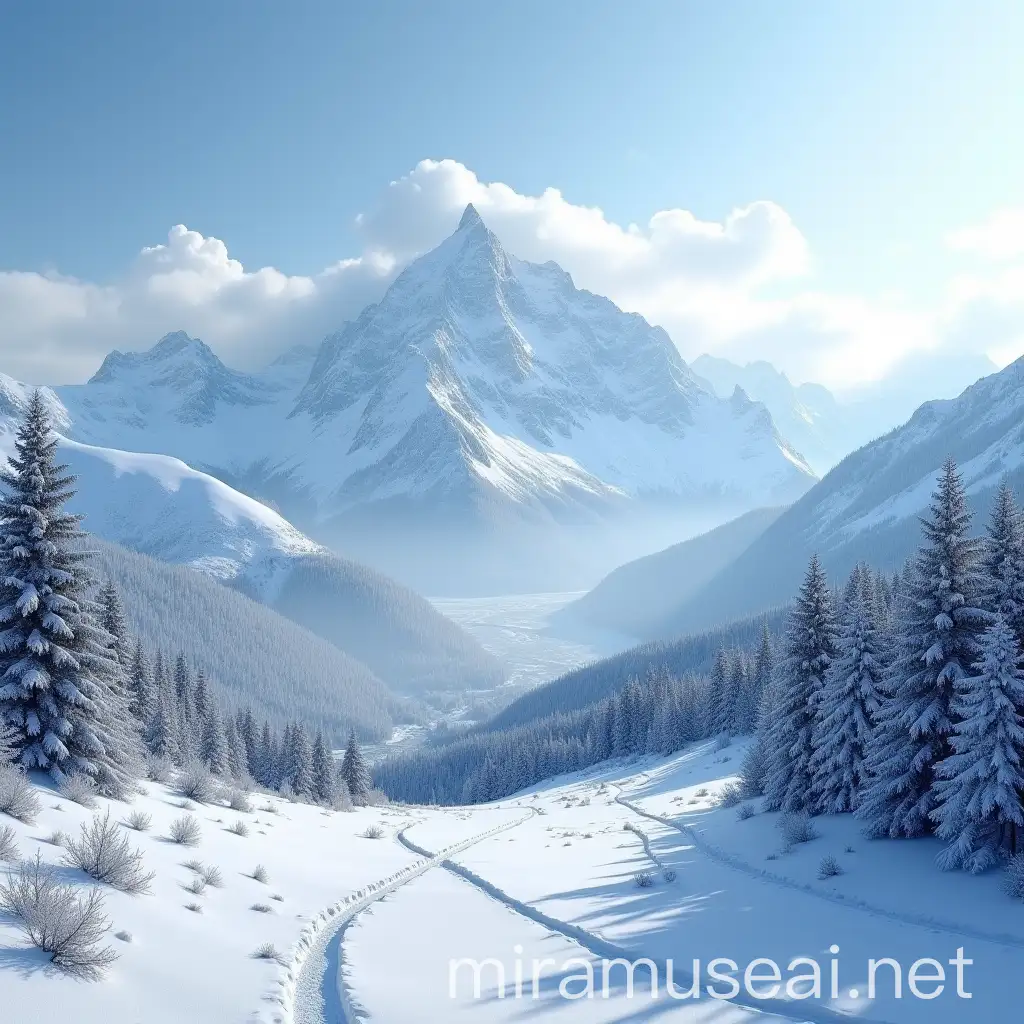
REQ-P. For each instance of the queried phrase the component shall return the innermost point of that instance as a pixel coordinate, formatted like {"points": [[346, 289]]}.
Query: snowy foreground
{"points": [[368, 928]]}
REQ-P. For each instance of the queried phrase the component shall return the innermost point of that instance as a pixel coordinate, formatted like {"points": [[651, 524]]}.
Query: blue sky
{"points": [[878, 128]]}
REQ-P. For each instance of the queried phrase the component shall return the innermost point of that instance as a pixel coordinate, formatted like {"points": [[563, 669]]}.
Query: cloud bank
{"points": [[739, 288]]}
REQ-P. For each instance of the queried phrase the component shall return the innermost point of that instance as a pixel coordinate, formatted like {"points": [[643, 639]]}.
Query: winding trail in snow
{"points": [[730, 860]]}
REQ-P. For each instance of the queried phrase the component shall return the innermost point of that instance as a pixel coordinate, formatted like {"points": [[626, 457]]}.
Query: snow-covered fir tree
{"points": [[57, 678], [849, 699], [1004, 562], [161, 733], [938, 623], [978, 787], [325, 776], [8, 743], [755, 761], [720, 703], [140, 683], [300, 767], [214, 748], [809, 647], [355, 771]]}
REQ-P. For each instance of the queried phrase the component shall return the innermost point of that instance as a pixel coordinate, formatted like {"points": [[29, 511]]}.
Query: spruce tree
{"points": [[300, 762], [720, 706], [938, 625], [57, 678], [978, 787], [8, 743], [325, 779], [809, 648], [355, 772], [140, 684], [214, 749], [755, 762], [849, 699], [1004, 562], [237, 762]]}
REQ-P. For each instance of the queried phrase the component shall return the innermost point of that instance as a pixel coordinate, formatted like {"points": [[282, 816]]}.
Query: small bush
{"points": [[239, 828], [139, 821], [103, 853], [17, 797], [1013, 883], [829, 867], [212, 877], [262, 908], [197, 886], [194, 865], [79, 789], [277, 897], [196, 908], [9, 851], [196, 783], [58, 838], [796, 828], [722, 742], [269, 809], [703, 791], [240, 801], [185, 805], [159, 769], [268, 951], [259, 874], [59, 919], [730, 796], [745, 813], [643, 880], [669, 875], [372, 832], [185, 831], [374, 798]]}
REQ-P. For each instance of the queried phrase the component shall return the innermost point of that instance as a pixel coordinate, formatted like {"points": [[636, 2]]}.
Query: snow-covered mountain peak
{"points": [[470, 218]]}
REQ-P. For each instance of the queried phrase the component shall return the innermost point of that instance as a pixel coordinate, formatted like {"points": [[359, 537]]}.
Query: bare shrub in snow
{"points": [[62, 920], [745, 813], [372, 832], [829, 867], [730, 796], [259, 874], [197, 886], [643, 880], [17, 797], [262, 908], [240, 801], [1013, 883], [239, 828], [194, 865], [703, 791], [159, 769], [268, 951], [102, 852], [58, 838], [197, 783], [278, 897], [722, 742], [9, 851], [139, 821], [186, 805], [669, 874], [796, 828], [79, 789], [343, 799], [374, 798], [212, 877], [185, 831], [196, 908]]}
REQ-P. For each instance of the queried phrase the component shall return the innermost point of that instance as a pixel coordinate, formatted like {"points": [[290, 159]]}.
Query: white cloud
{"points": [[1001, 237], [739, 287]]}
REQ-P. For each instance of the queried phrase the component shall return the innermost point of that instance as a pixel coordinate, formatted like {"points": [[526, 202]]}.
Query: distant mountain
{"points": [[161, 507], [641, 598], [867, 507], [482, 397]]}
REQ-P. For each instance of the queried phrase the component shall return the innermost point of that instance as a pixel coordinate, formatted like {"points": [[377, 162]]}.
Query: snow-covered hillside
{"points": [[371, 926]]}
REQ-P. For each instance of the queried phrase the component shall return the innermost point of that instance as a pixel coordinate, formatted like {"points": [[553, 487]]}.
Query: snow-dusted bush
{"points": [[58, 838], [8, 845], [212, 876], [262, 908], [342, 799], [102, 852], [277, 897], [730, 796], [268, 951], [195, 865], [185, 831], [722, 742], [17, 797], [63, 920], [372, 832], [197, 886], [79, 789], [159, 769], [1013, 883], [669, 874], [239, 828], [374, 798], [703, 791], [829, 867], [196, 783], [643, 880], [196, 908], [139, 821], [259, 874], [240, 801], [796, 828], [745, 812]]}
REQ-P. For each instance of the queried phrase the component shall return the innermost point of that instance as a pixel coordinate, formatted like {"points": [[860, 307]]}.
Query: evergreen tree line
{"points": [[80, 696], [905, 706], [657, 715]]}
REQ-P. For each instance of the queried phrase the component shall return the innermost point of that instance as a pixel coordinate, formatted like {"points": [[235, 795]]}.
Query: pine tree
{"points": [[355, 772], [1004, 563], [755, 763], [140, 684], [214, 749], [938, 625], [8, 743], [809, 648], [978, 787], [719, 698], [299, 772], [744, 709], [237, 761], [162, 730], [249, 738], [57, 679], [325, 784], [849, 699]]}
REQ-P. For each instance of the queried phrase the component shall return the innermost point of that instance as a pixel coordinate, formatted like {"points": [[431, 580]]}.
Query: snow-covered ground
{"points": [[369, 928]]}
